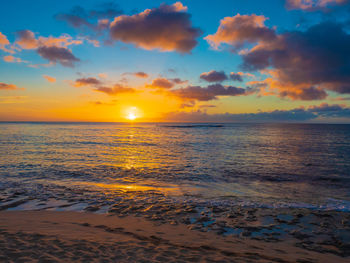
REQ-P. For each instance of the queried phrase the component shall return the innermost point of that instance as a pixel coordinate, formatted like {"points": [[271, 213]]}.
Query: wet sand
{"points": [[50, 236]]}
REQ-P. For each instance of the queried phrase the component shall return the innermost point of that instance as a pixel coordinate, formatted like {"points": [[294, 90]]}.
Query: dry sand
{"points": [[47, 236]]}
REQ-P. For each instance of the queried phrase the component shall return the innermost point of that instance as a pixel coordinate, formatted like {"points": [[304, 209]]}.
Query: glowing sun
{"points": [[131, 116]]}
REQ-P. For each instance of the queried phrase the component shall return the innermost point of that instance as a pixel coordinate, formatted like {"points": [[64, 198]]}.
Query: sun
{"points": [[131, 116]]}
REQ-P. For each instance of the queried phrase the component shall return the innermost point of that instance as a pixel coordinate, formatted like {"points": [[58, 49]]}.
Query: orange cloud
{"points": [[5, 86], [49, 78], [12, 59], [166, 28], [241, 29], [26, 39], [4, 42], [51, 48]]}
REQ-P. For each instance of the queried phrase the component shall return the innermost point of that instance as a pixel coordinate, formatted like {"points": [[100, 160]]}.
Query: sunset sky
{"points": [[211, 61]]}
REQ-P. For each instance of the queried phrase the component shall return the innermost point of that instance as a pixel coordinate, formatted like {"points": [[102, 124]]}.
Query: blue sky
{"points": [[268, 88]]}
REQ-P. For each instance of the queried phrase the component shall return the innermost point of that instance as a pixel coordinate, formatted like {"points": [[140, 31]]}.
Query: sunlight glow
{"points": [[131, 116], [132, 113]]}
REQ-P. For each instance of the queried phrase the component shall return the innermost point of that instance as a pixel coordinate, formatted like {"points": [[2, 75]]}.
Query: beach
{"points": [[177, 193], [44, 236]]}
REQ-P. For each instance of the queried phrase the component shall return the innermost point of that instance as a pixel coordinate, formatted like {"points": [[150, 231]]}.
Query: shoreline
{"points": [[80, 236]]}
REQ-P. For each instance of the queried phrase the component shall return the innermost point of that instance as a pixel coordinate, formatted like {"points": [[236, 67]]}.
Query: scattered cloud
{"points": [[166, 28], [214, 76], [322, 111], [141, 74], [305, 62], [241, 29], [49, 78], [164, 83], [58, 55], [78, 17], [313, 5], [102, 75], [115, 90], [236, 76], [12, 59], [3, 43], [208, 93], [161, 83], [5, 86], [51, 48], [83, 82]]}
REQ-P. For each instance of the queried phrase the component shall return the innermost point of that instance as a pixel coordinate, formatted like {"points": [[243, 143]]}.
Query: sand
{"points": [[50, 236]]}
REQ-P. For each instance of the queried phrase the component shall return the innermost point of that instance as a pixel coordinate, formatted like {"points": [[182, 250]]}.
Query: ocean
{"points": [[73, 165]]}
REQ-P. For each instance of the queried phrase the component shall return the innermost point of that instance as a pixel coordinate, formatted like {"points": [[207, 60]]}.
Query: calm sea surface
{"points": [[293, 165]]}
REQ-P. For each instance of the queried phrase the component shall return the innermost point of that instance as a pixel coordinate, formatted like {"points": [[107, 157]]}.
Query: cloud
{"points": [[326, 110], [78, 17], [166, 28], [164, 83], [208, 93], [295, 115], [12, 59], [103, 75], [4, 42], [239, 30], [49, 78], [161, 83], [26, 40], [51, 48], [5, 86], [115, 90], [313, 5], [311, 60], [141, 74], [309, 93], [236, 76], [82, 82], [214, 76], [58, 55]]}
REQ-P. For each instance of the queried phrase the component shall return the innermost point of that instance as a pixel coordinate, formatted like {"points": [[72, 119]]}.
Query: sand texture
{"points": [[48, 236]]}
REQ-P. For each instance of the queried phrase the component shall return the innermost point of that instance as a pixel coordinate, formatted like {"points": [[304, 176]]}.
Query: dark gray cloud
{"points": [[79, 17], [310, 93], [236, 76], [214, 76], [295, 115], [208, 93], [164, 83], [58, 55], [115, 90], [166, 28], [87, 82], [318, 58]]}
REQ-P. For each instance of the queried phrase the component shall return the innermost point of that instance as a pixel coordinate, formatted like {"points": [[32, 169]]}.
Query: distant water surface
{"points": [[302, 165]]}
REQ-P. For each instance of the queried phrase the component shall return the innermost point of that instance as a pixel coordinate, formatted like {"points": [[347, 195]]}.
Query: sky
{"points": [[183, 61]]}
